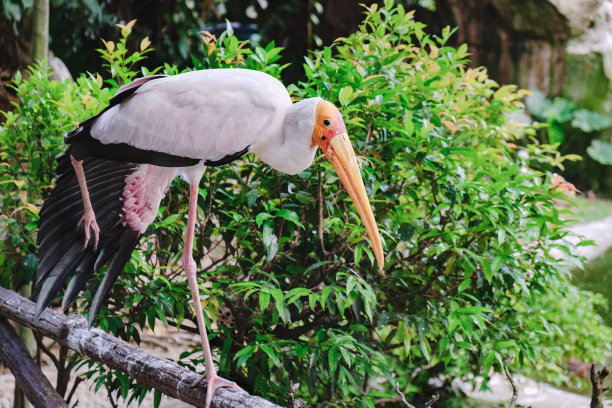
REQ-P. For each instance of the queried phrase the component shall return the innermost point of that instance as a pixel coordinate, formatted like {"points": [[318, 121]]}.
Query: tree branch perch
{"points": [[36, 387], [161, 374]]}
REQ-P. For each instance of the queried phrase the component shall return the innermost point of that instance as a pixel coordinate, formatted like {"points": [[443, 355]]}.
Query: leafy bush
{"points": [[579, 131], [559, 111], [30, 139], [476, 262]]}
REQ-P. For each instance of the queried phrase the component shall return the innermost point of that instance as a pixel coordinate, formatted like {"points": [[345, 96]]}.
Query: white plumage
{"points": [[194, 114]]}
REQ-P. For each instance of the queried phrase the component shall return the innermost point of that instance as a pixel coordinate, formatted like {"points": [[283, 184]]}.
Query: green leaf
{"points": [[270, 241], [169, 220], [555, 133], [357, 255], [505, 344], [261, 217], [252, 197], [264, 300], [560, 110], [289, 216], [600, 151], [346, 95], [333, 357], [465, 345], [589, 121], [243, 355], [30, 264], [279, 301], [157, 396], [537, 103]]}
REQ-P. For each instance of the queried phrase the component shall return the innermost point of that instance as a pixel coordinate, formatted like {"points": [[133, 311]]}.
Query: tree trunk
{"points": [[40, 30]]}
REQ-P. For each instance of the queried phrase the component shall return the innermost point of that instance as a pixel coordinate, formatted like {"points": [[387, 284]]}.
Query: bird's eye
{"points": [[322, 137], [326, 122]]}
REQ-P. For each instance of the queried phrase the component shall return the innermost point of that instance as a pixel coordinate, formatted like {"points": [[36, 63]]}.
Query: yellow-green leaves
{"points": [[144, 44], [346, 95], [120, 61], [126, 29]]}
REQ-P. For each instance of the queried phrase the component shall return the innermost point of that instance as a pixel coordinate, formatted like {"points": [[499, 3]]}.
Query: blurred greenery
{"points": [[174, 27], [558, 111], [595, 277], [575, 131], [476, 268], [590, 209]]}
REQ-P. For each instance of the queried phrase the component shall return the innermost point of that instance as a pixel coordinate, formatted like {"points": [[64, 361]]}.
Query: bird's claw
{"points": [[89, 221], [214, 382]]}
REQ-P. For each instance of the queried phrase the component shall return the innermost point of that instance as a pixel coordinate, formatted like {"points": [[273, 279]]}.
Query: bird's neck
{"points": [[292, 150]]}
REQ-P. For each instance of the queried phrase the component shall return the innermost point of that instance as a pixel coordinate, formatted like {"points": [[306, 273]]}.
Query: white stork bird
{"points": [[160, 127]]}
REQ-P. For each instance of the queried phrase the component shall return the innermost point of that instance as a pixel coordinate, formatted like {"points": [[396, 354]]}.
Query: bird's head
{"points": [[330, 135]]}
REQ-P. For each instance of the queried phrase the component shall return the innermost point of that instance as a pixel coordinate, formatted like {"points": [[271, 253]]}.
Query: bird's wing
{"points": [[206, 115], [82, 145], [61, 254]]}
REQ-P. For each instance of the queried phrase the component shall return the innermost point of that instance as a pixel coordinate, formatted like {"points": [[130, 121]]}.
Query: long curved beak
{"points": [[342, 157]]}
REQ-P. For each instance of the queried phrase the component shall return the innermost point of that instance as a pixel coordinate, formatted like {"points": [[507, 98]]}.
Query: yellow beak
{"points": [[342, 157]]}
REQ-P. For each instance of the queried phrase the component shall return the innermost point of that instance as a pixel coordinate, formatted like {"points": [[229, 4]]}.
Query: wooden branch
{"points": [[36, 387], [515, 389], [597, 379], [402, 396], [164, 375]]}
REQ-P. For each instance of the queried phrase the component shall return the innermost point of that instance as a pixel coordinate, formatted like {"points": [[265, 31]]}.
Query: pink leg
{"points": [[88, 218], [214, 381]]}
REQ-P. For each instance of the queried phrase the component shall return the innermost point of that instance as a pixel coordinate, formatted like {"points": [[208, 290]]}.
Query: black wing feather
{"points": [[61, 253], [127, 243]]}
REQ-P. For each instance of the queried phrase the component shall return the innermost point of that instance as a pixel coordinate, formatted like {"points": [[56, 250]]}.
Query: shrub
{"points": [[476, 261]]}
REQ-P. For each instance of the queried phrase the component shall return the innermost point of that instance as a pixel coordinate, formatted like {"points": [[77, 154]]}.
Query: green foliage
{"points": [[120, 62], [561, 111], [172, 27], [14, 10], [600, 151], [227, 51], [476, 261], [30, 138]]}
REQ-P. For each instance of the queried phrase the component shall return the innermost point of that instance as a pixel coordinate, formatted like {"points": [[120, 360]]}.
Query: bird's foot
{"points": [[214, 382], [89, 222]]}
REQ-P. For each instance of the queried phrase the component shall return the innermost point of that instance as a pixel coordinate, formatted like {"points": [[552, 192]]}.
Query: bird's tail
{"points": [[61, 254]]}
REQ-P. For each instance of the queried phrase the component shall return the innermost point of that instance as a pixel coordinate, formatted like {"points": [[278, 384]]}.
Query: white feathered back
{"points": [[204, 114]]}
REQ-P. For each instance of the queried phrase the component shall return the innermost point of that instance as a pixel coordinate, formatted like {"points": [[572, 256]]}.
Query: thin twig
{"points": [[421, 368], [321, 214], [402, 396], [515, 389], [432, 401], [367, 141], [291, 401], [45, 350], [78, 379]]}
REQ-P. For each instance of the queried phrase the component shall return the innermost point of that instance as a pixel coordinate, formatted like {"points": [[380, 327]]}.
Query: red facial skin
{"points": [[328, 124]]}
